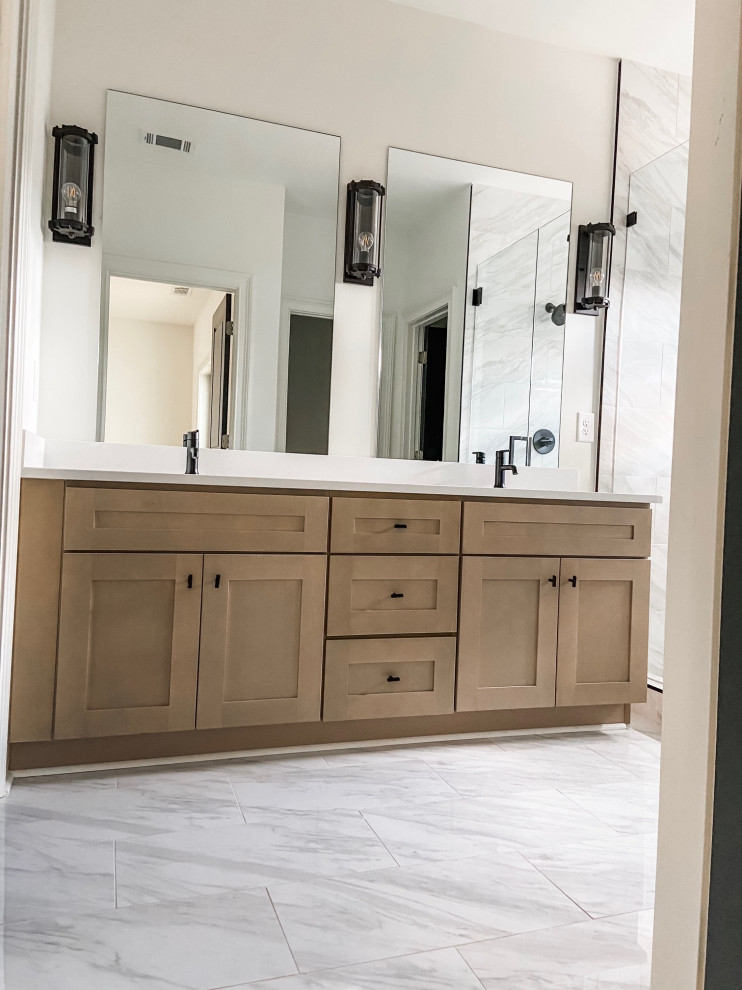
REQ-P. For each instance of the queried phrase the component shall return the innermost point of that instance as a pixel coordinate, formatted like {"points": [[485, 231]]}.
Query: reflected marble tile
{"points": [[461, 754], [443, 969], [604, 876], [540, 770], [353, 788], [413, 909], [277, 848], [631, 807], [43, 876], [190, 945], [613, 954], [458, 829], [139, 804]]}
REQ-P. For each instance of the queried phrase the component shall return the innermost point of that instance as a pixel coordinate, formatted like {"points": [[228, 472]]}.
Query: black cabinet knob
{"points": [[553, 580], [397, 594], [217, 580], [400, 525], [392, 678], [573, 581], [190, 580]]}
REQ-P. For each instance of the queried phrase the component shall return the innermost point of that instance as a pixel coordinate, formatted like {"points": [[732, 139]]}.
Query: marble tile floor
{"points": [[520, 863]]}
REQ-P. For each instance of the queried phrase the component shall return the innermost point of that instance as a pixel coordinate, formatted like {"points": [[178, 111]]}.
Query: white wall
{"points": [[583, 336], [438, 86], [148, 388]]}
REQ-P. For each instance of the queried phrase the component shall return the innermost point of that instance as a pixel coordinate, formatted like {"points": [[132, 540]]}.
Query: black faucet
{"points": [[511, 449], [190, 442], [501, 466], [479, 455]]}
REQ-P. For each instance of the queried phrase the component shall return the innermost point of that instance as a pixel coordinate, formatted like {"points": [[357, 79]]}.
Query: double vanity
{"points": [[161, 618]]}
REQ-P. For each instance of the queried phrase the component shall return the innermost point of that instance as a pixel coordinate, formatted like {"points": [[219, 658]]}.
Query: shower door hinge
{"points": [[476, 296], [632, 219], [225, 441], [229, 328], [422, 357]]}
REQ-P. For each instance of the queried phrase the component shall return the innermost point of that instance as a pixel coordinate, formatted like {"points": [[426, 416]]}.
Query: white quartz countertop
{"points": [[134, 464]]}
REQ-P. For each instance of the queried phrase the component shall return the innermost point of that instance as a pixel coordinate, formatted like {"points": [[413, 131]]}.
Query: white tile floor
{"points": [[523, 863]]}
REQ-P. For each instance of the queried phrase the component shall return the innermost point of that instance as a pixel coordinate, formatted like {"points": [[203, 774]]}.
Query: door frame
{"points": [[293, 306], [236, 283]]}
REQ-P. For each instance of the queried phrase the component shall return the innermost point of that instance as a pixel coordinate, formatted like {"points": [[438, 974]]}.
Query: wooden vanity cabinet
{"points": [[508, 633], [262, 636], [603, 632], [232, 620], [127, 659], [539, 632]]}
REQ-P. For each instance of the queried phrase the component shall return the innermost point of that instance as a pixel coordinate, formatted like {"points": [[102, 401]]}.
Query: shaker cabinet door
{"points": [[128, 644], [507, 633], [603, 632], [261, 639]]}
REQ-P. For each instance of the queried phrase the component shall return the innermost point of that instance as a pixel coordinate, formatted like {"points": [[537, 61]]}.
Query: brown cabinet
{"points": [[122, 519], [603, 632], [377, 596], [261, 640], [395, 525], [538, 632], [553, 530], [508, 633], [127, 659], [389, 678]]}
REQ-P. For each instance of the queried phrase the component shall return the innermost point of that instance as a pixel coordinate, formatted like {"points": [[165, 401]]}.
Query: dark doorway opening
{"points": [[433, 389]]}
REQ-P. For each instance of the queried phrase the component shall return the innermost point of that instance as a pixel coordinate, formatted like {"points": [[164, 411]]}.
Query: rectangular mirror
{"points": [[475, 282], [219, 247]]}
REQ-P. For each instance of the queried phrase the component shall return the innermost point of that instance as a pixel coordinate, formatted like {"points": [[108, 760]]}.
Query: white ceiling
{"points": [[656, 32], [135, 299]]}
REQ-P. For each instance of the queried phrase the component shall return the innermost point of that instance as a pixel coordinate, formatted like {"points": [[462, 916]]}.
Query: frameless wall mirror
{"points": [[219, 245], [475, 283]]}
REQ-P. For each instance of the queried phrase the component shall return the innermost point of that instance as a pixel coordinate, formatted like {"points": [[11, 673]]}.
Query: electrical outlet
{"points": [[585, 427]]}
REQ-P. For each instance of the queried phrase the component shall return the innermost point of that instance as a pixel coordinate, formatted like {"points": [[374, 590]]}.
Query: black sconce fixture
{"points": [[363, 232], [72, 196], [594, 244]]}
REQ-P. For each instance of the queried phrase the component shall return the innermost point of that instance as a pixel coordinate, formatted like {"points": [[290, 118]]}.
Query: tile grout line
{"points": [[283, 932], [556, 887]]}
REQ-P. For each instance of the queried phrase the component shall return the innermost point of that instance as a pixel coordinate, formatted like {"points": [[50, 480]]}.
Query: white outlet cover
{"points": [[585, 427]]}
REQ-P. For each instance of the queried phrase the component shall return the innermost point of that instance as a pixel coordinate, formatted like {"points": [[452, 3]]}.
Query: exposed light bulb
{"points": [[365, 241], [597, 277], [71, 198]]}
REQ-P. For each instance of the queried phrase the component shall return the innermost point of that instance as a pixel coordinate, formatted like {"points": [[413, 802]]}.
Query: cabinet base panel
{"points": [[114, 749]]}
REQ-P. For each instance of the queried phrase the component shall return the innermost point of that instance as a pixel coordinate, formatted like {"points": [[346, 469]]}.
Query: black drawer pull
{"points": [[553, 581], [217, 580], [190, 580], [397, 594], [392, 678], [400, 525], [573, 581]]}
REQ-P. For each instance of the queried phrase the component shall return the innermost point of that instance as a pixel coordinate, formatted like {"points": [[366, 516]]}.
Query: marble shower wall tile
{"points": [[651, 178]]}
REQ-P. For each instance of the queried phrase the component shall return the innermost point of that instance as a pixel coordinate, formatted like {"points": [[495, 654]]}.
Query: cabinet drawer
{"points": [[556, 530], [390, 525], [389, 678], [117, 519], [377, 596]]}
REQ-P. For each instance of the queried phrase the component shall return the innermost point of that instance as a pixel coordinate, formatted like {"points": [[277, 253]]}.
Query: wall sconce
{"points": [[363, 232], [72, 195], [594, 244]]}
